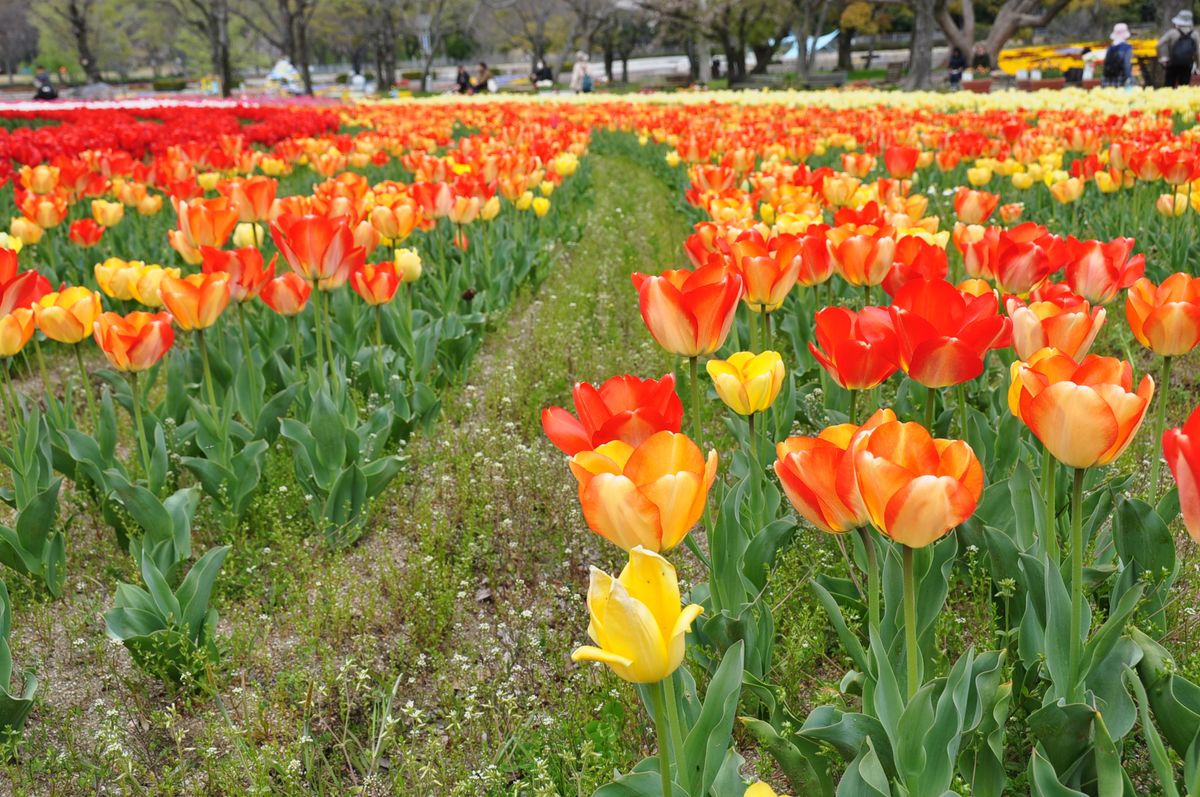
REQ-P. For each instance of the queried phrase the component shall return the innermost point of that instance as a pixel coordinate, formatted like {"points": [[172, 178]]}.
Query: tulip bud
{"points": [[208, 180], [408, 265], [28, 232], [746, 382], [1167, 204], [541, 206]]}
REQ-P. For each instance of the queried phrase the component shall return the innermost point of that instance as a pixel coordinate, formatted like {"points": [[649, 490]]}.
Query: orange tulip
{"points": [[376, 283], [1068, 324], [818, 477], [1084, 413], [201, 222], [46, 210], [1097, 270], [650, 496], [901, 161], [915, 488], [251, 197], [68, 316], [85, 233], [689, 313], [319, 249], [40, 179], [863, 254], [1180, 447], [16, 328], [974, 207], [395, 223], [286, 294], [769, 271], [1165, 318], [197, 300], [247, 275], [134, 342]]}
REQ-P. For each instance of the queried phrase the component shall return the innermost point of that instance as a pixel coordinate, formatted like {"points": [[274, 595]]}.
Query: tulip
{"points": [[247, 274], [16, 328], [85, 233], [1084, 413], [201, 222], [40, 179], [1097, 270], [1011, 212], [864, 255], [915, 258], [68, 316], [408, 264], [1165, 318], [689, 313], [319, 249], [26, 231], [251, 198], [979, 176], [395, 223], [247, 235], [197, 300], [943, 334], [45, 210], [134, 342], [23, 290], [1171, 205], [650, 495], [1022, 181], [1067, 324], [1067, 191], [974, 207], [818, 477], [769, 272], [107, 214], [1183, 458], [624, 408], [150, 205], [286, 294], [637, 621], [901, 161], [746, 382], [761, 789], [376, 283], [541, 206], [857, 349]]}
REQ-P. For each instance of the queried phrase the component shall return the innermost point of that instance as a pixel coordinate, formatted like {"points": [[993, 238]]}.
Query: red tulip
{"points": [[1097, 270], [915, 259], [85, 232], [1181, 447], [944, 334], [247, 276], [376, 283], [319, 249], [623, 408], [900, 161], [857, 349], [286, 294]]}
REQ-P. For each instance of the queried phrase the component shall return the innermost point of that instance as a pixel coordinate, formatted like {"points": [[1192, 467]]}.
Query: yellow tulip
{"points": [[408, 265], [979, 176], [637, 621], [1022, 180], [10, 242], [247, 234], [107, 214], [673, 159], [1106, 183], [524, 200], [208, 180], [565, 164], [746, 382], [26, 231], [547, 188], [68, 316], [1171, 204], [490, 209], [150, 205], [761, 789], [541, 206]]}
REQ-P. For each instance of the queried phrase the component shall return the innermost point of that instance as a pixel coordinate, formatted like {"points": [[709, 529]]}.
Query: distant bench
{"points": [[667, 83], [773, 80]]}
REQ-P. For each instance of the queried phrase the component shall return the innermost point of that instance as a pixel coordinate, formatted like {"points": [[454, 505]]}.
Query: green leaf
{"points": [[801, 761], [710, 737], [1044, 779], [1110, 776], [196, 589], [848, 639]]}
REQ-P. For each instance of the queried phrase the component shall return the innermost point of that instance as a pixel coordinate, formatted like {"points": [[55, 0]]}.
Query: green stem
{"points": [[10, 414], [87, 388], [766, 324], [1050, 535], [675, 720], [752, 323], [41, 362], [1076, 646], [868, 542], [297, 349], [853, 417], [327, 307], [208, 377], [961, 390], [930, 407], [379, 345], [139, 427], [249, 358], [318, 323], [694, 379], [910, 622], [660, 722], [866, 295], [1159, 425]]}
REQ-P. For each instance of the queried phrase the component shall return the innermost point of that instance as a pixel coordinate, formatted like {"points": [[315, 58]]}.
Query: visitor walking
{"points": [[581, 74], [1179, 50], [1118, 59], [956, 66]]}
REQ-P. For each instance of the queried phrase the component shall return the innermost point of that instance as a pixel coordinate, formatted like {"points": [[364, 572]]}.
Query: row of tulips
{"points": [[1078, 553], [322, 323]]}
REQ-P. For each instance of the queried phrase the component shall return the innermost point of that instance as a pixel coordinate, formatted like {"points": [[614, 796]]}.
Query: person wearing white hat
{"points": [[1118, 59], [1179, 50]]}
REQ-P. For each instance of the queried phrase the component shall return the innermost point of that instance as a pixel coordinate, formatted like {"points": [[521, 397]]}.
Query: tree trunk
{"points": [[763, 53], [625, 69], [845, 60], [80, 29], [920, 59], [302, 55]]}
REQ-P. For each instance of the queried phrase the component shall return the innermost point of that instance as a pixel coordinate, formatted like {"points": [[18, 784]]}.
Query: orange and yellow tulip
{"points": [[1165, 318], [197, 300], [16, 328], [689, 313], [1068, 324], [134, 342], [287, 294], [67, 316]]}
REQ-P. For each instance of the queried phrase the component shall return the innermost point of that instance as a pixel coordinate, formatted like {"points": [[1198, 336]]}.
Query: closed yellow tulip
{"points": [[408, 264], [68, 315], [541, 206], [16, 329], [637, 621], [26, 231], [761, 789], [979, 176], [107, 214], [748, 382]]}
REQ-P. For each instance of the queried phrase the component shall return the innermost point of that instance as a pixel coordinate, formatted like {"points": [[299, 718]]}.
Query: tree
{"points": [[18, 36], [75, 21], [810, 16], [1010, 17], [285, 24], [210, 18]]}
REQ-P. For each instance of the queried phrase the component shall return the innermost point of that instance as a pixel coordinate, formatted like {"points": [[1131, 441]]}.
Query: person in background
{"points": [[980, 60], [43, 85], [541, 76], [581, 74], [716, 67], [483, 79], [463, 80], [956, 65], [1118, 59], [1179, 50]]}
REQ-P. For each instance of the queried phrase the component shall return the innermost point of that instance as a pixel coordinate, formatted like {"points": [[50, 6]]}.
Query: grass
{"points": [[433, 658]]}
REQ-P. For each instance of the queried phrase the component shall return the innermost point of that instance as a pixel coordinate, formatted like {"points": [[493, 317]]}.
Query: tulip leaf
{"points": [[196, 588], [710, 736], [800, 760], [638, 784], [1044, 780], [1173, 699], [1110, 776], [865, 776], [849, 640]]}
